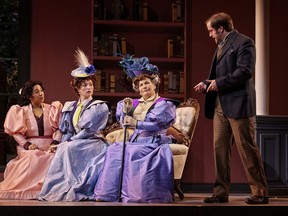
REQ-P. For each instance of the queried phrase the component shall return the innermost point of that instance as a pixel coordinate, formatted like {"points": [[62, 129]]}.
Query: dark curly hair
{"points": [[27, 91], [76, 82]]}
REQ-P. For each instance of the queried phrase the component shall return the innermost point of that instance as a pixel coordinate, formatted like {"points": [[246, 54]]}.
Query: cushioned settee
{"points": [[183, 129]]}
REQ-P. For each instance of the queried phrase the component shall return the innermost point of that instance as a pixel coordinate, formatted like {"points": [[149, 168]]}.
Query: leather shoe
{"points": [[257, 200], [216, 199]]}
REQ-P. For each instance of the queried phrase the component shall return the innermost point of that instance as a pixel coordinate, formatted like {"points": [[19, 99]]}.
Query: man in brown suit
{"points": [[231, 102]]}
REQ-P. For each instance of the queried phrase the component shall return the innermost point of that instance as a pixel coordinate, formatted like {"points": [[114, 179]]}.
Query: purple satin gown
{"points": [[148, 162]]}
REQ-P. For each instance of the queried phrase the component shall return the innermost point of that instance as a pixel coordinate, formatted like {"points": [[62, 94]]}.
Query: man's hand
{"points": [[212, 86], [200, 87]]}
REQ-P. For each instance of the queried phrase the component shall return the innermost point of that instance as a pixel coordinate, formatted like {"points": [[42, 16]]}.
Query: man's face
{"points": [[216, 34]]}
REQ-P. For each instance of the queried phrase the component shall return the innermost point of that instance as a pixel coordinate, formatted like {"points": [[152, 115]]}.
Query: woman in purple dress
{"points": [[148, 162]]}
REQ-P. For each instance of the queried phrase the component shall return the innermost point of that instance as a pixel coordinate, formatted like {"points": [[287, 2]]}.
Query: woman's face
{"points": [[37, 96], [146, 88], [86, 89]]}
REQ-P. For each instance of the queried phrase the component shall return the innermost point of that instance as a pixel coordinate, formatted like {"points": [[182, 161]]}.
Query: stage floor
{"points": [[191, 205], [195, 199]]}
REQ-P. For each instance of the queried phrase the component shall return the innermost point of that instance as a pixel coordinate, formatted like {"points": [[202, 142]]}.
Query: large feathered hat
{"points": [[135, 66], [85, 69]]}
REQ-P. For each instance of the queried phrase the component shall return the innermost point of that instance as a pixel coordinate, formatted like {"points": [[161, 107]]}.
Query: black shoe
{"points": [[257, 200], [216, 199]]}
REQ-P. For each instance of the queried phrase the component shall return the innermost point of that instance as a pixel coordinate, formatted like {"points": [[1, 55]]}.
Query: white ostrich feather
{"points": [[81, 58]]}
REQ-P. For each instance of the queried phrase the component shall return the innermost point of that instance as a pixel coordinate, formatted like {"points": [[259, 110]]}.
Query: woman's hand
{"points": [[127, 107], [52, 148], [129, 121], [32, 147]]}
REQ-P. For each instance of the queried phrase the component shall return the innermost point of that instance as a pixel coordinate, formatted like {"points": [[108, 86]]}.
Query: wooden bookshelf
{"points": [[147, 37]]}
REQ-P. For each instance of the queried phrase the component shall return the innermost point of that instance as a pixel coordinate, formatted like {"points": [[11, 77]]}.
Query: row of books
{"points": [[178, 14], [110, 44], [141, 11], [175, 47], [112, 82], [172, 82]]}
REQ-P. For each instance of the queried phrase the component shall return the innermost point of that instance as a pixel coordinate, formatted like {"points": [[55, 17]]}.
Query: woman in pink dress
{"points": [[34, 126]]}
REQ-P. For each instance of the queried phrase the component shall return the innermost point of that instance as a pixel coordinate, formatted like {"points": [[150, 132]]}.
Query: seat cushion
{"points": [[178, 149]]}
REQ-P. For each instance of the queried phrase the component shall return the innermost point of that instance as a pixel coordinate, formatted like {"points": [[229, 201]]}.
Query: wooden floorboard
{"points": [[192, 205]]}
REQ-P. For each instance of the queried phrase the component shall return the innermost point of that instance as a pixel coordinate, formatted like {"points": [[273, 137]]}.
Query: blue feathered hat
{"points": [[85, 69], [135, 66]]}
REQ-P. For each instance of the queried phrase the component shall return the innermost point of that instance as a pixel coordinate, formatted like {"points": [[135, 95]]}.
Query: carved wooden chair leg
{"points": [[177, 188]]}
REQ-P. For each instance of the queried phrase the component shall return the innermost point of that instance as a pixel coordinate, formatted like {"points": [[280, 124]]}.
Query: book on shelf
{"points": [[98, 10], [98, 81], [113, 46], [181, 82], [172, 82], [112, 84], [177, 8], [110, 44], [178, 44], [174, 12], [103, 82], [145, 11], [165, 83], [175, 47], [170, 48], [142, 11]]}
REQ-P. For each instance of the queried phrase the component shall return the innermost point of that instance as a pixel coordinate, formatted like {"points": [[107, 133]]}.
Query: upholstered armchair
{"points": [[183, 129], [187, 114]]}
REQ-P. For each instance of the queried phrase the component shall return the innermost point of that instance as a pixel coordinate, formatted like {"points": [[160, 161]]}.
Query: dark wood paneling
{"points": [[272, 136]]}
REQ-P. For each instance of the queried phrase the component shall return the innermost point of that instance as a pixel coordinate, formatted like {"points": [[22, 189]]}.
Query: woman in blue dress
{"points": [[148, 162], [79, 157]]}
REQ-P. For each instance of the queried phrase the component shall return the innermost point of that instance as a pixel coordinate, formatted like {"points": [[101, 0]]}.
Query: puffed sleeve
{"points": [[54, 119], [15, 124], [55, 114], [119, 112]]}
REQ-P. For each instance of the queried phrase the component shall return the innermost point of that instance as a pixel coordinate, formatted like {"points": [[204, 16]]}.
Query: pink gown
{"points": [[24, 175]]}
